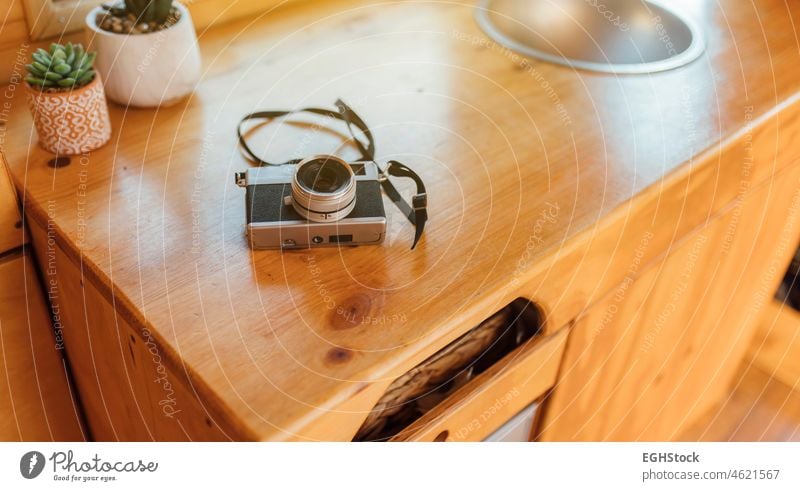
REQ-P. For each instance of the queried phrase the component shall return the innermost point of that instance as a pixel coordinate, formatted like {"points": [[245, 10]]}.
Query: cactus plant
{"points": [[138, 16], [67, 100], [68, 67], [149, 10], [144, 10]]}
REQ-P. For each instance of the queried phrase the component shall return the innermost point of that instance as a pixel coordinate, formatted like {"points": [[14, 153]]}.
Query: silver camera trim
{"points": [[301, 234], [282, 174]]}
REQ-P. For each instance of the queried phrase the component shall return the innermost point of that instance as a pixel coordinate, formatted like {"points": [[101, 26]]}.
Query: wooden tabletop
{"points": [[520, 160]]}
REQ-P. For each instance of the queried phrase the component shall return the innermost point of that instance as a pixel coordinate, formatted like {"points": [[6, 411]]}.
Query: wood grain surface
{"points": [[776, 347], [663, 347], [127, 392], [11, 235], [543, 182], [36, 403], [758, 408]]}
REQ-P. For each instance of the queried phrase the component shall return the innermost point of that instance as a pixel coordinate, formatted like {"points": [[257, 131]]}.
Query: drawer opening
{"points": [[426, 385]]}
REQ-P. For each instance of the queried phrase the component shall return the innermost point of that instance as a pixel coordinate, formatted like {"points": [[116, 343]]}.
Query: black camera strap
{"points": [[416, 212]]}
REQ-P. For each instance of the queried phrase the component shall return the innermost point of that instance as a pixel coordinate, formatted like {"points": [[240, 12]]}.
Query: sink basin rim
{"points": [[691, 53]]}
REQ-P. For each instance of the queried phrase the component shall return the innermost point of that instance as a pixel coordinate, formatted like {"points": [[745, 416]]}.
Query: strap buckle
{"points": [[420, 201]]}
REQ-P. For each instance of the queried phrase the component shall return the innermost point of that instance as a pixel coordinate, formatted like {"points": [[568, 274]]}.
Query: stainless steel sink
{"points": [[616, 36]]}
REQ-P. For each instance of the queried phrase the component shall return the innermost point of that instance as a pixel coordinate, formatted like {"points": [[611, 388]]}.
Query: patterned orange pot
{"points": [[71, 123]]}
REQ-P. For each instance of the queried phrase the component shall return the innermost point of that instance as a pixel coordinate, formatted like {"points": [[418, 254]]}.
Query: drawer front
{"points": [[486, 403], [10, 224]]}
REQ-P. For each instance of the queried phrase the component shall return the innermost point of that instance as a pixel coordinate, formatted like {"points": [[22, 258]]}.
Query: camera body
{"points": [[307, 205]]}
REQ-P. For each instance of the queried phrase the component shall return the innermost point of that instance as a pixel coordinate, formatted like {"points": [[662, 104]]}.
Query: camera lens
{"points": [[323, 175], [323, 189]]}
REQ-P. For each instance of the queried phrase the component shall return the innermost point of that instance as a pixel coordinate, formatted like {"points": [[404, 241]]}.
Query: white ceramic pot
{"points": [[147, 70]]}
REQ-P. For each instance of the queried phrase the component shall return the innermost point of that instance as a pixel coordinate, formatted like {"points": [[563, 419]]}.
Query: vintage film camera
{"points": [[323, 200]]}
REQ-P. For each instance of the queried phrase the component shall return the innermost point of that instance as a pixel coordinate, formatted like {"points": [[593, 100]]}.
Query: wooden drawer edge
{"points": [[11, 235], [483, 405]]}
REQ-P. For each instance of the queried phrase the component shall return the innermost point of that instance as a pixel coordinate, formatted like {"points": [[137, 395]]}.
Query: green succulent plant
{"points": [[67, 66], [149, 10]]}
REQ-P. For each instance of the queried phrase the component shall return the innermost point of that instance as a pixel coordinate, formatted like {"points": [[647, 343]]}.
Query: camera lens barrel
{"points": [[323, 188]]}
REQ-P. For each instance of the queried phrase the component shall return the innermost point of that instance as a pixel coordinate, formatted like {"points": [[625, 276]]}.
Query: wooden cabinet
{"points": [[665, 345], [36, 403], [626, 222], [129, 387]]}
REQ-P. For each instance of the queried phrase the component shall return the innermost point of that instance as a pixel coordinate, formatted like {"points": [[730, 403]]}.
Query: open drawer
{"points": [[479, 408], [470, 408]]}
